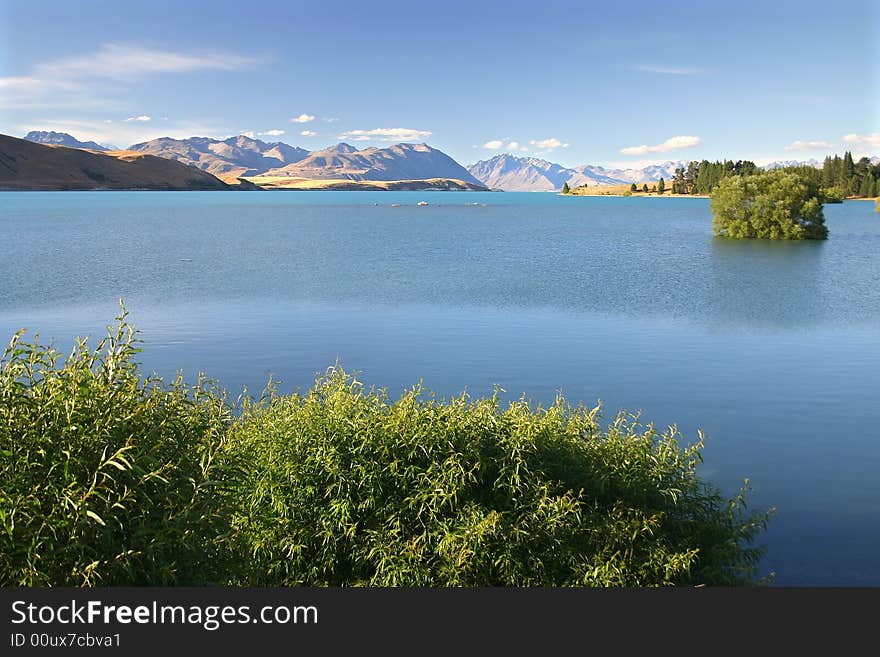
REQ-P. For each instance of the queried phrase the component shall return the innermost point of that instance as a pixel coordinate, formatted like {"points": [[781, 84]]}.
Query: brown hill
{"points": [[25, 165]]}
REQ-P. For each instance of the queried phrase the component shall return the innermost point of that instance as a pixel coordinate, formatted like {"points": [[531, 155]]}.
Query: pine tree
{"points": [[645, 188], [633, 188], [867, 187], [565, 188], [661, 186]]}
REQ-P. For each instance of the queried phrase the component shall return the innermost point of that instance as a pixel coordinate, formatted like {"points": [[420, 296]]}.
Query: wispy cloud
{"points": [[271, 133], [386, 134], [78, 80], [671, 144], [125, 61], [669, 70], [143, 118], [309, 133], [493, 144], [548, 145], [872, 139], [799, 145], [516, 146], [303, 118]]}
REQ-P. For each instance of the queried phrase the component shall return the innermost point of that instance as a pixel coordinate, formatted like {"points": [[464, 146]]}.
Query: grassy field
{"points": [[620, 190]]}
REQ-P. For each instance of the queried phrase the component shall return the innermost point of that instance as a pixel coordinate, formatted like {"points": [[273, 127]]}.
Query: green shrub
{"points": [[773, 205], [346, 487], [106, 478], [111, 478], [833, 194]]}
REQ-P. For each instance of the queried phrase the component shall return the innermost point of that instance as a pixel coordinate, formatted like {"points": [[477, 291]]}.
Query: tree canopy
{"points": [[774, 205]]}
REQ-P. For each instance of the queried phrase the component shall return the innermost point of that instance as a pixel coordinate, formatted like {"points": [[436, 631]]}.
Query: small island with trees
{"points": [[837, 179], [750, 202], [776, 205]]}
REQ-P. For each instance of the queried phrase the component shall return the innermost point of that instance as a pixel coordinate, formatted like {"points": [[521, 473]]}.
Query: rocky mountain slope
{"points": [[529, 174], [25, 165], [228, 159], [398, 162], [62, 139]]}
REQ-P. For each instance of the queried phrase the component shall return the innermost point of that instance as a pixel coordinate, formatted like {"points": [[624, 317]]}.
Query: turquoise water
{"points": [[772, 348]]}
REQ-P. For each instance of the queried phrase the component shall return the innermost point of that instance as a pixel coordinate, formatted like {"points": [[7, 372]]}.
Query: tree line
{"points": [[838, 178]]}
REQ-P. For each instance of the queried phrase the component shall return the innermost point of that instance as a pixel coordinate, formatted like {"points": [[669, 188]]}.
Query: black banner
{"points": [[396, 621]]}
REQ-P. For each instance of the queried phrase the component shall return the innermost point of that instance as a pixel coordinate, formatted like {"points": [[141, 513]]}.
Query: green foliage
{"points": [[106, 478], [866, 188], [347, 487], [111, 478], [565, 188], [854, 178], [633, 188], [833, 194], [661, 186], [645, 188], [771, 205]]}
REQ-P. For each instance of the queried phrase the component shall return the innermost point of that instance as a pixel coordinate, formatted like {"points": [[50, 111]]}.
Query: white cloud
{"points": [[670, 70], [271, 133], [309, 133], [386, 134], [143, 118], [872, 139], [249, 134], [799, 145], [671, 144], [550, 144], [330, 119], [303, 118], [493, 144]]}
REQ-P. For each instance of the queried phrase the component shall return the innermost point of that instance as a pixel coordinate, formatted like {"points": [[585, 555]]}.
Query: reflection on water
{"points": [[764, 283]]}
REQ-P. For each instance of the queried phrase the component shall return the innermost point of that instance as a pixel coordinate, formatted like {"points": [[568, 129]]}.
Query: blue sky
{"points": [[615, 83]]}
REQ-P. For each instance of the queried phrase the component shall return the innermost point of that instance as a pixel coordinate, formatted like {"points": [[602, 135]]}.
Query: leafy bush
{"points": [[833, 194], [346, 487], [771, 205], [105, 477], [111, 478]]}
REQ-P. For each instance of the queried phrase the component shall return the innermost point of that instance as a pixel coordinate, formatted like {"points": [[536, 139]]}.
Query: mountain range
{"points": [[227, 159], [52, 138], [397, 162], [530, 174], [243, 156], [279, 165], [32, 166]]}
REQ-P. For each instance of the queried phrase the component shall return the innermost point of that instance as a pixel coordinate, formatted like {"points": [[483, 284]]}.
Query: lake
{"points": [[772, 348]]}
